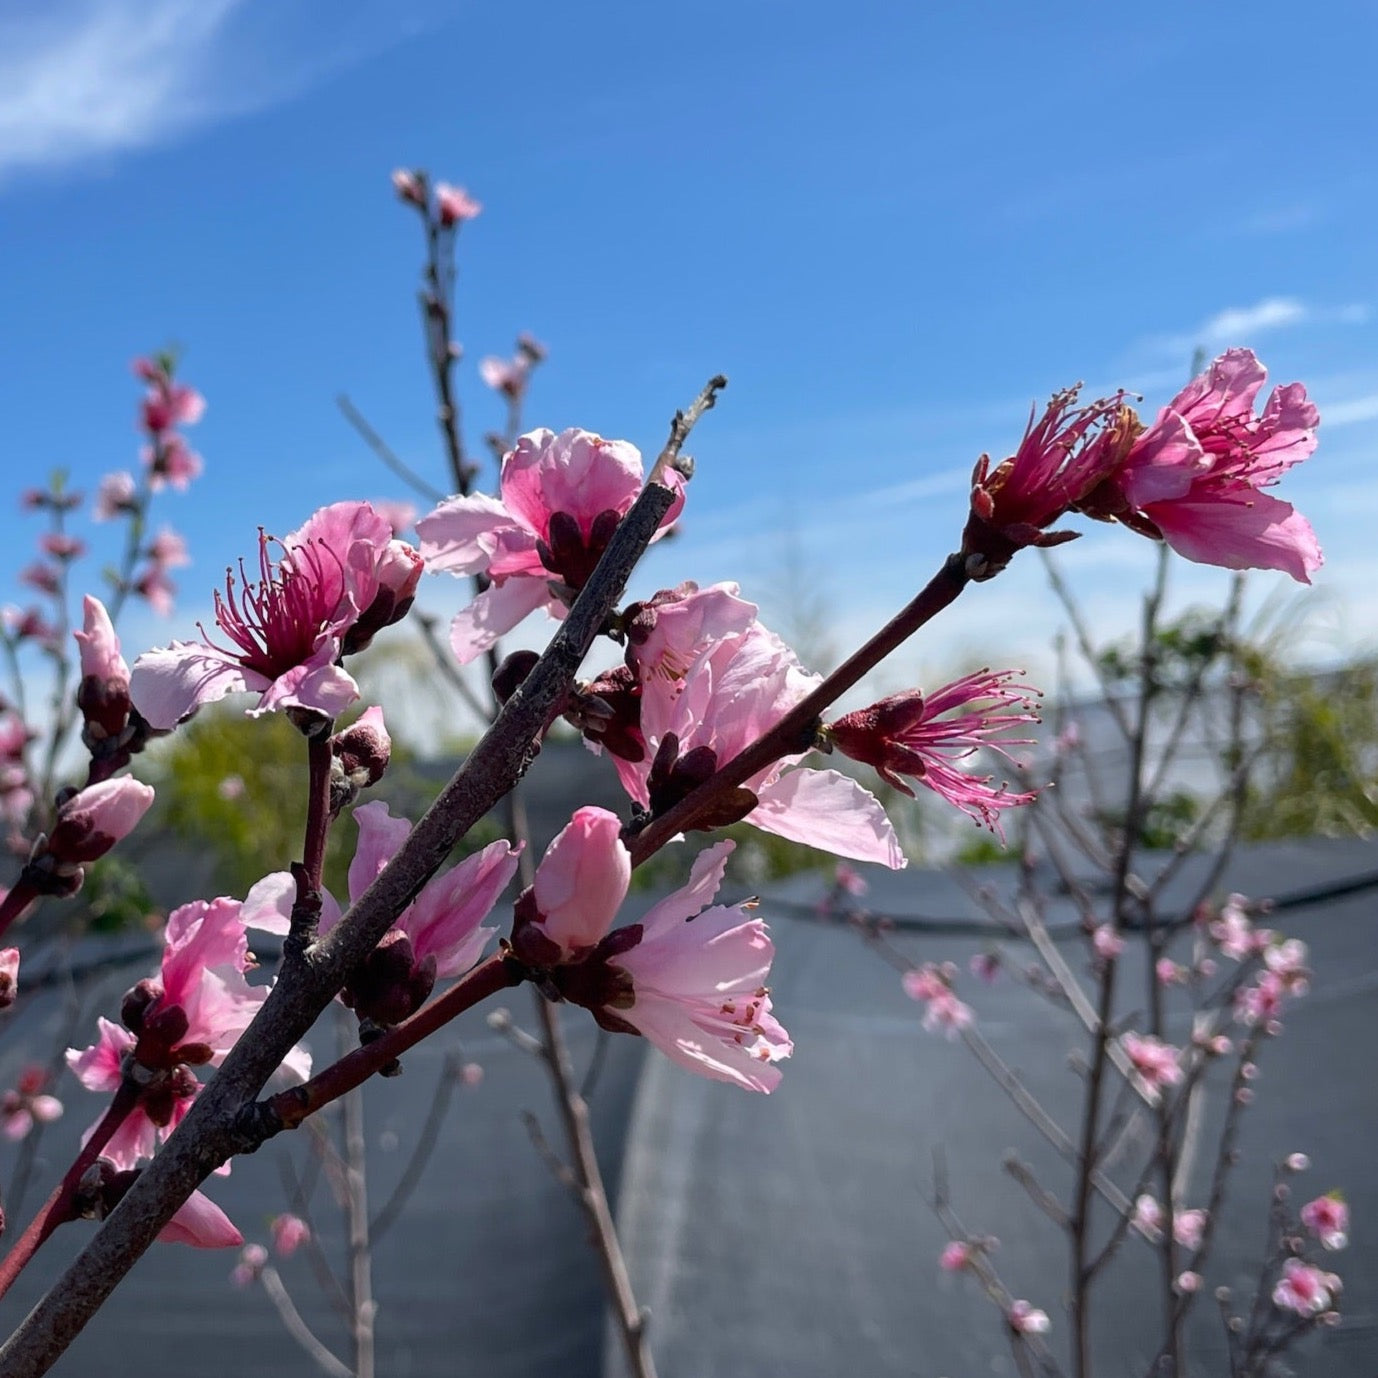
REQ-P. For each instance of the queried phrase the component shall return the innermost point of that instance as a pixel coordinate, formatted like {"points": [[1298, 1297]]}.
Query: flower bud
{"points": [[92, 821]]}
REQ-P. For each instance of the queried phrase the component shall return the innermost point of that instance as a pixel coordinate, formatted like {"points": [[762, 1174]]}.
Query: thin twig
{"points": [[297, 1328], [385, 452]]}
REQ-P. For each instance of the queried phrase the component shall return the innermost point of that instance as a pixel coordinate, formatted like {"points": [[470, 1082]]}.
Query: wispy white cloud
{"points": [[86, 81], [1300, 215], [1351, 412], [1244, 324], [114, 75]]}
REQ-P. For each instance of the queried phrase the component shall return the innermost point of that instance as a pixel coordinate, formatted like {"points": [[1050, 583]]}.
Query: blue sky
{"points": [[893, 230]]}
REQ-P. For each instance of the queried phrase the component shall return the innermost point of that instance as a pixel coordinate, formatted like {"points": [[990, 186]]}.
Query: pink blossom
{"points": [[92, 821], [849, 880], [1147, 1218], [507, 376], [454, 204], [167, 548], [562, 497], [1107, 943], [712, 681], [290, 1232], [437, 936], [1305, 1289], [9, 972], [1155, 1061], [582, 881], [955, 1256], [42, 577], [116, 495], [28, 1104], [252, 1260], [1235, 934], [1262, 1001], [1027, 1319], [1286, 959], [1056, 465], [924, 983], [153, 585], [906, 734], [1169, 973], [62, 546], [1189, 1281], [398, 515], [1189, 1227], [694, 982], [1327, 1217], [103, 693], [168, 404], [191, 1015], [171, 462], [985, 966], [1204, 497], [407, 185], [202, 1224], [947, 1014], [286, 630], [1297, 1162], [471, 1074]]}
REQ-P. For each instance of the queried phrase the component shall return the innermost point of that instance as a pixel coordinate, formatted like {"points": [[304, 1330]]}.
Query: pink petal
{"points": [[829, 810], [202, 1224], [1246, 529], [669, 1026], [168, 684], [317, 684], [705, 879], [444, 920], [459, 536], [583, 879], [493, 614], [380, 835]]}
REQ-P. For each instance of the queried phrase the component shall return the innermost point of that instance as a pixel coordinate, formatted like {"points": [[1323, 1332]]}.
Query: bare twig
{"points": [[297, 1328], [385, 452]]}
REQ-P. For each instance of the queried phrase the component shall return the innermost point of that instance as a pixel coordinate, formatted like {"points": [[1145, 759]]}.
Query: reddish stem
{"points": [[292, 1106], [14, 904], [57, 1209]]}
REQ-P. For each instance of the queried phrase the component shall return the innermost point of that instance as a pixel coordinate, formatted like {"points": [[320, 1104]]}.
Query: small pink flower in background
{"points": [[287, 629], [1148, 1218], [1169, 973], [507, 376], [252, 1260], [168, 548], [42, 577], [172, 462], [1297, 1162], [116, 495], [168, 404], [155, 588], [926, 982], [471, 1074], [28, 1104], [1155, 1061], [1189, 1281], [407, 185], [947, 1014], [907, 734], [61, 546], [1305, 1289], [1068, 739], [1286, 959], [955, 1256], [1235, 934], [1027, 1319], [9, 971], [1262, 1002], [454, 204], [1107, 943], [849, 880], [290, 1232], [1204, 497], [985, 966], [437, 936], [1189, 1227], [562, 497], [1327, 1217]]}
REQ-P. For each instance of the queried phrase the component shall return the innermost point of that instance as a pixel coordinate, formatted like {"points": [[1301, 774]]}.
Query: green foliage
{"points": [[1320, 772], [114, 898], [982, 850], [1183, 651]]}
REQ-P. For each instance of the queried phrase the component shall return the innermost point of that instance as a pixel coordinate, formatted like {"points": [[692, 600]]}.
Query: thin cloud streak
{"points": [[126, 74]]}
